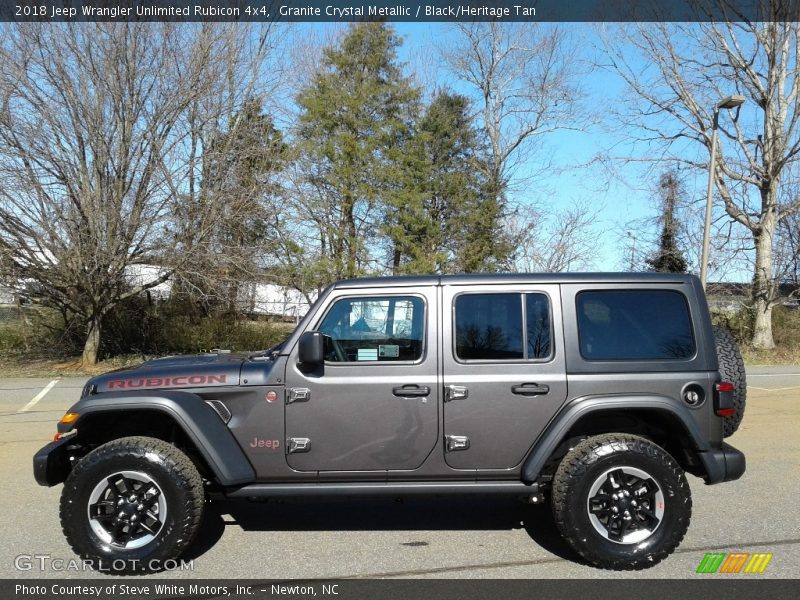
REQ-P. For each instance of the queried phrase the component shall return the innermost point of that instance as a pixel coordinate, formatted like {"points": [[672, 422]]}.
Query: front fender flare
{"points": [[199, 422], [581, 407]]}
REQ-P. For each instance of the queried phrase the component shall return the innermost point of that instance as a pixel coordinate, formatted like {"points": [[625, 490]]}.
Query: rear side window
{"points": [[634, 325], [507, 326]]}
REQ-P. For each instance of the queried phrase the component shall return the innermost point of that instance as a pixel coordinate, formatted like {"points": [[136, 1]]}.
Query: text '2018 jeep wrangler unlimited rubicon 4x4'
{"points": [[597, 391]]}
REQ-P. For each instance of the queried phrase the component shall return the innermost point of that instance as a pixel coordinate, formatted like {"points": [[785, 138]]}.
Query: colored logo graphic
{"points": [[736, 562]]}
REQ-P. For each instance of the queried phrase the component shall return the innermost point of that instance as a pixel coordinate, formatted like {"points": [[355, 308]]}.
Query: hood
{"points": [[172, 372]]}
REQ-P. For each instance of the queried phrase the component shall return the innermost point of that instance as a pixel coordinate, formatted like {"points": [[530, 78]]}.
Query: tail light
{"points": [[723, 399]]}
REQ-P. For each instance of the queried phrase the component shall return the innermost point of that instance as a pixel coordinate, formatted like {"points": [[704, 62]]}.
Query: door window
{"points": [[374, 329], [537, 325], [507, 326]]}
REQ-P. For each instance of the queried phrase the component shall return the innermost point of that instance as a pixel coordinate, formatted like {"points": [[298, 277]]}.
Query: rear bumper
{"points": [[723, 464], [51, 463]]}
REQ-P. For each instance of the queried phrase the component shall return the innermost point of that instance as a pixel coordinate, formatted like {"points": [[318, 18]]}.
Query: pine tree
{"points": [[668, 258], [432, 212], [355, 115]]}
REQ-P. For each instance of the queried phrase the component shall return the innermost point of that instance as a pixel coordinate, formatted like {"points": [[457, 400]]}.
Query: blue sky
{"points": [[574, 176]]}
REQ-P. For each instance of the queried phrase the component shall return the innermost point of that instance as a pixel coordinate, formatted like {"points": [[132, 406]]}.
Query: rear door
{"points": [[504, 371]]}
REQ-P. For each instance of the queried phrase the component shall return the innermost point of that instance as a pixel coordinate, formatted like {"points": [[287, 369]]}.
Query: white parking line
{"points": [[39, 396], [749, 375], [752, 387]]}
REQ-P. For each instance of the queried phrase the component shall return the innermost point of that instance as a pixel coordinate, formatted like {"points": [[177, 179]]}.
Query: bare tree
{"points": [[689, 67], [524, 80], [96, 153], [787, 252], [552, 241]]}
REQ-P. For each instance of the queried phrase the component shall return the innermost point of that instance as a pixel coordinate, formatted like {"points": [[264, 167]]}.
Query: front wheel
{"points": [[132, 505], [621, 501]]}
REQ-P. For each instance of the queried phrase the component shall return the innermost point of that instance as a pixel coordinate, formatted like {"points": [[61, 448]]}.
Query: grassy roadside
{"points": [[782, 355], [22, 366]]}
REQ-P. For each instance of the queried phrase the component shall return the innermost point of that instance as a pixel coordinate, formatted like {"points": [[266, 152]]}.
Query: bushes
{"points": [[33, 331], [136, 327], [785, 325], [785, 331], [739, 323], [173, 328]]}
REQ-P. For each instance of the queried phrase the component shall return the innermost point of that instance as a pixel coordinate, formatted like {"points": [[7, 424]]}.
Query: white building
{"points": [[259, 298]]}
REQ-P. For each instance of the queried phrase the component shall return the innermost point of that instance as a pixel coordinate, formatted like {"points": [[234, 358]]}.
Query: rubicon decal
{"points": [[165, 382], [735, 562]]}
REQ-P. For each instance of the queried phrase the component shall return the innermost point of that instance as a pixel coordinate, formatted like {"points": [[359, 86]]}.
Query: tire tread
{"points": [[574, 467], [181, 471]]}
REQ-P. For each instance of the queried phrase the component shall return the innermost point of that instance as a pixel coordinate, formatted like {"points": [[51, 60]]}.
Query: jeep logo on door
{"points": [[164, 382]]}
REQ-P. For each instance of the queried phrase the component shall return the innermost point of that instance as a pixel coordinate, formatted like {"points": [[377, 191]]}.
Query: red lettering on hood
{"points": [[165, 382]]}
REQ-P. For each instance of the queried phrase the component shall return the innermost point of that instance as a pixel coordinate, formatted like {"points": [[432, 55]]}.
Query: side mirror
{"points": [[311, 349]]}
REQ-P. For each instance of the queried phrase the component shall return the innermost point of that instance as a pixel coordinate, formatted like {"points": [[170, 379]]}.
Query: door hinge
{"points": [[456, 392], [457, 442], [298, 395], [298, 445]]}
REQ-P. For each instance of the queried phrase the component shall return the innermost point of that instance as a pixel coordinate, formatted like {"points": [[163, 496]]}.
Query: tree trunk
{"points": [[763, 285], [92, 345]]}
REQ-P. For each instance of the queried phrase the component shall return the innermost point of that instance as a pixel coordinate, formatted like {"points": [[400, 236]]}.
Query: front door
{"points": [[504, 372], [374, 404]]}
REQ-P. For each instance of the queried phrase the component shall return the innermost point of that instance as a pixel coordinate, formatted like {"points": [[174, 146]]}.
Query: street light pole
{"points": [[729, 102]]}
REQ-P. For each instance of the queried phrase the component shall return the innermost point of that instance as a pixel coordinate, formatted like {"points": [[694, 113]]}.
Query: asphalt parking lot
{"points": [[463, 538]]}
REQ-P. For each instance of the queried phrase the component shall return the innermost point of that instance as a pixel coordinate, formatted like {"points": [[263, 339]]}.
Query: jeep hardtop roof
{"points": [[510, 278]]}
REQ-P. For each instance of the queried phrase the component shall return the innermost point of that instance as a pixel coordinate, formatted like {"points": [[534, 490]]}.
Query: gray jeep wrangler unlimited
{"points": [[596, 391]]}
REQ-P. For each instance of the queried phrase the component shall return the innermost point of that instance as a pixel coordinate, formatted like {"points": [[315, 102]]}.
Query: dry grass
{"points": [[21, 366], [782, 355]]}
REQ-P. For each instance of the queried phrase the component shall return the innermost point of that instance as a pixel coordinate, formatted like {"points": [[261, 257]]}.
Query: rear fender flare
{"points": [[199, 422], [582, 407]]}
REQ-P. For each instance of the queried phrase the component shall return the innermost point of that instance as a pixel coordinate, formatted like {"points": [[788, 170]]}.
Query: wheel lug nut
{"points": [[120, 502], [121, 515], [614, 509], [614, 497], [140, 507], [134, 518], [633, 503]]}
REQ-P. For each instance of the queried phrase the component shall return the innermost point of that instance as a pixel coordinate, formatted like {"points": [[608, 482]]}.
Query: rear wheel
{"points": [[132, 505], [621, 501], [731, 368]]}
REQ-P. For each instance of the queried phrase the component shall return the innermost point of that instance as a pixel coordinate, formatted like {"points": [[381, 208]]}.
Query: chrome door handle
{"points": [[530, 389]]}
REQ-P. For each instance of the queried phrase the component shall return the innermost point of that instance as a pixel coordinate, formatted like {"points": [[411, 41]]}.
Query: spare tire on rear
{"points": [[731, 368]]}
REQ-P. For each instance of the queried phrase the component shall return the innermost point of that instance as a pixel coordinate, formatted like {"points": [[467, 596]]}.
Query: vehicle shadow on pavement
{"points": [[382, 514]]}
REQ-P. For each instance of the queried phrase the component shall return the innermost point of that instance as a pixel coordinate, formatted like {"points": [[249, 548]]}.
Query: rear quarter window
{"points": [[634, 325]]}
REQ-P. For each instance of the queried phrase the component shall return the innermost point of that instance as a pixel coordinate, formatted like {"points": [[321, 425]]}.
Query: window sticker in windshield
{"points": [[388, 350], [367, 354]]}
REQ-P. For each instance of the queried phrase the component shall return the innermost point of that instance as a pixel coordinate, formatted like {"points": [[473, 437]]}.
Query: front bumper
{"points": [[51, 464], [723, 464]]}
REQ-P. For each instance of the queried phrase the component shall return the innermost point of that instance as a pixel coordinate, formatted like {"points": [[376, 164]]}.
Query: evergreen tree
{"points": [[439, 187], [355, 115], [668, 258]]}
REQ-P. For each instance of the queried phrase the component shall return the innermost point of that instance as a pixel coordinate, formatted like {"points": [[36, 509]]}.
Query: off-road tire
{"points": [[175, 475], [585, 464], [731, 368]]}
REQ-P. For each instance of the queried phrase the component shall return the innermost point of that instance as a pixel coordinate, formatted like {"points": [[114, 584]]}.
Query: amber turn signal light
{"points": [[69, 418]]}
